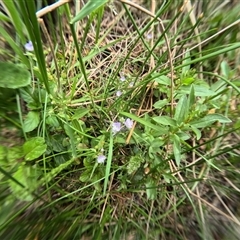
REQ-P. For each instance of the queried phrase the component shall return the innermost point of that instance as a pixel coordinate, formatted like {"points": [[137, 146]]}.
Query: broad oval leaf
{"points": [[34, 148], [151, 189], [31, 121], [26, 182], [161, 103], [13, 76]]}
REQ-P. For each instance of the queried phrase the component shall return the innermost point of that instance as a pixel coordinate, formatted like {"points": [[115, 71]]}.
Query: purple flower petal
{"points": [[128, 123], [29, 46], [149, 36], [131, 84], [116, 127], [118, 93], [122, 79], [101, 158]]}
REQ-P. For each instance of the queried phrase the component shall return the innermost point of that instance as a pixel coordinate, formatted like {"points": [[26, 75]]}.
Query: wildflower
{"points": [[118, 93], [122, 78], [29, 46], [128, 123], [116, 127], [149, 36], [131, 84], [101, 158]]}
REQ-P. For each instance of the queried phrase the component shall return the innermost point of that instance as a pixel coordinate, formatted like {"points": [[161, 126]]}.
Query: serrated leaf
{"points": [[165, 120], [209, 120], [34, 148], [54, 172], [133, 164], [13, 76], [181, 111], [31, 122], [161, 103], [176, 149]]}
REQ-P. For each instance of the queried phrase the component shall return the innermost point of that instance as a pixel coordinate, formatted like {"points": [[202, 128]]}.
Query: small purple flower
{"points": [[131, 84], [122, 79], [118, 93], [149, 36], [29, 46], [128, 123], [101, 158], [116, 127]]}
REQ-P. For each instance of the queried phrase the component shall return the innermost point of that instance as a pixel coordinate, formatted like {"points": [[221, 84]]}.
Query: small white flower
{"points": [[122, 79], [116, 127], [118, 93], [29, 46], [131, 84], [128, 123], [101, 158], [149, 36]]}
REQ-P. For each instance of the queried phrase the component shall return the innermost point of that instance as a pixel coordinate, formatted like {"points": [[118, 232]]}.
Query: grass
{"points": [[129, 125]]}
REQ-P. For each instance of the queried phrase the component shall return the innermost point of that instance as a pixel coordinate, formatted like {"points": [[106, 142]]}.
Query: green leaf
{"points": [[197, 132], [183, 136], [15, 153], [85, 176], [200, 91], [133, 164], [34, 148], [31, 122], [176, 149], [225, 69], [191, 98], [209, 120], [151, 189], [80, 112], [187, 80], [13, 76], [163, 80], [165, 120], [3, 155], [181, 111], [144, 122], [27, 176], [91, 6], [161, 103], [54, 172], [186, 63]]}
